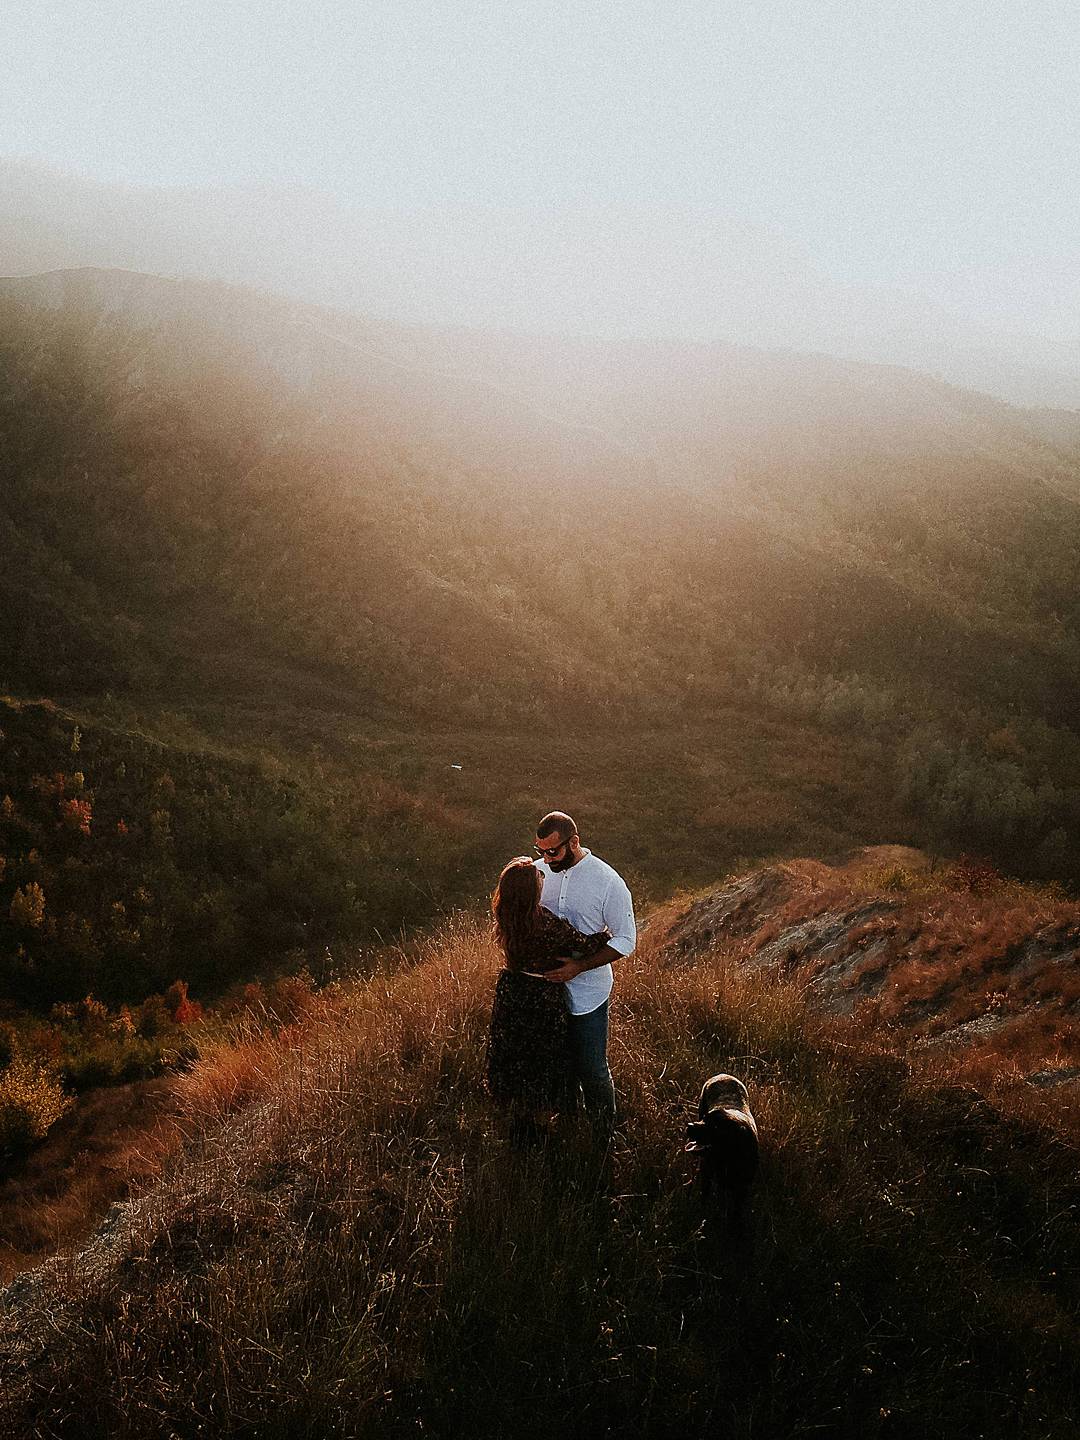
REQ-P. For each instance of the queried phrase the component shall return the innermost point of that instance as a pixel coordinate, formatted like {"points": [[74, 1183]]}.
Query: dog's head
{"points": [[723, 1110], [724, 1092]]}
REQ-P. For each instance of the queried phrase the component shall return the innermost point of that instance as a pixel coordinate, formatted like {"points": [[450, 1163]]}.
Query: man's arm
{"points": [[571, 968], [619, 919]]}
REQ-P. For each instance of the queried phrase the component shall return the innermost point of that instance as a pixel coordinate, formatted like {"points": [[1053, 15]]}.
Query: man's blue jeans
{"points": [[589, 1067]]}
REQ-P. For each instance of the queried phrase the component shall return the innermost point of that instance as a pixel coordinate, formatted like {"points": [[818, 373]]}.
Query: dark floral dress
{"points": [[526, 1056]]}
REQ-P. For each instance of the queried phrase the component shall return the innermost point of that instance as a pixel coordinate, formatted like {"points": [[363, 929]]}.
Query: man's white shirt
{"points": [[592, 897]]}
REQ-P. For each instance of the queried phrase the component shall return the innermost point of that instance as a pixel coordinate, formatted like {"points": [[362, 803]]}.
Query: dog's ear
{"points": [[696, 1131]]}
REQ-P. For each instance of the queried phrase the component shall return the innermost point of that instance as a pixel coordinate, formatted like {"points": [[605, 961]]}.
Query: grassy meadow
{"points": [[343, 1242], [294, 652]]}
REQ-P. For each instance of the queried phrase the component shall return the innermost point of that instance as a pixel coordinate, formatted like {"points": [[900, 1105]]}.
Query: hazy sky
{"points": [[926, 144]]}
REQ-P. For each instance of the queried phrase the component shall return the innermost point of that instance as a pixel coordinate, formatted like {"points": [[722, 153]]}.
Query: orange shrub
{"points": [[76, 815]]}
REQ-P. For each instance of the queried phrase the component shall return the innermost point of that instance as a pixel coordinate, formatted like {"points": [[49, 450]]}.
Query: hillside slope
{"points": [[733, 602], [211, 479], [239, 840], [155, 860], [347, 1246], [956, 962]]}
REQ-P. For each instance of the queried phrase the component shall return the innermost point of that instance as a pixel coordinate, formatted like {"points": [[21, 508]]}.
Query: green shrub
{"points": [[114, 1060]]}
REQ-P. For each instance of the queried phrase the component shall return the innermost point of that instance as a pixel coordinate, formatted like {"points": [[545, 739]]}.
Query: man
{"points": [[592, 896]]}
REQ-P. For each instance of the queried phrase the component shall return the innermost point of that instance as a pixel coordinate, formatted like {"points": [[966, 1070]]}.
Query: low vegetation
{"points": [[32, 1100], [46, 1062], [85, 1094], [220, 866], [126, 861], [53, 1196], [346, 1244], [280, 687]]}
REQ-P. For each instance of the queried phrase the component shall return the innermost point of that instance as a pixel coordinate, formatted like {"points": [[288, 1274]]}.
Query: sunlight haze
{"points": [[421, 423], [885, 181]]}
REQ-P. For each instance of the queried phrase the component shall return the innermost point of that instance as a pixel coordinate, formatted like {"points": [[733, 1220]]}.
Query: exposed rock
{"points": [[977, 1029], [826, 939], [1055, 945], [738, 908], [845, 983], [885, 926], [1047, 1079]]}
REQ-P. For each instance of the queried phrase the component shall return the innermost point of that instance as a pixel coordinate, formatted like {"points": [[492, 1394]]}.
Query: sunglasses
{"points": [[547, 854]]}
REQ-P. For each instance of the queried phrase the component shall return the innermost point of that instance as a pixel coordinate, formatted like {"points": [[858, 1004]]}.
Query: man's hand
{"points": [[567, 970]]}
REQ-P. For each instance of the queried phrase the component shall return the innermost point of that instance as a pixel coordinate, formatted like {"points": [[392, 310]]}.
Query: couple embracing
{"points": [[560, 920]]}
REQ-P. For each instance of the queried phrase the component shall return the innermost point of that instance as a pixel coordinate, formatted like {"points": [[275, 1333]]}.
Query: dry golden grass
{"points": [[943, 947], [348, 1246]]}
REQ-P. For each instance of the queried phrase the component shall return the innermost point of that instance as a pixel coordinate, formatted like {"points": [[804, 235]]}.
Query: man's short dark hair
{"points": [[556, 822]]}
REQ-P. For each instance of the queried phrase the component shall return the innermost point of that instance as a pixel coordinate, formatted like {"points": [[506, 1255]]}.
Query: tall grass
{"points": [[349, 1245]]}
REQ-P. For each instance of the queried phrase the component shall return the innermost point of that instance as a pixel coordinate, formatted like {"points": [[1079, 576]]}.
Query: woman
{"points": [[526, 1059]]}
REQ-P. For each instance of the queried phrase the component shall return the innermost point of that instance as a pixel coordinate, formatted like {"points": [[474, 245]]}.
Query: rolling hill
{"points": [[733, 602], [304, 618], [687, 508]]}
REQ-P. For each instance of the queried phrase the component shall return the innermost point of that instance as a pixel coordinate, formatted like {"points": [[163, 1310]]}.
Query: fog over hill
{"points": [[612, 273], [693, 412], [705, 500]]}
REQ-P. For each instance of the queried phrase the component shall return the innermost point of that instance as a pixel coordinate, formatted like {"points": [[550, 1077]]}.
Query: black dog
{"points": [[725, 1140]]}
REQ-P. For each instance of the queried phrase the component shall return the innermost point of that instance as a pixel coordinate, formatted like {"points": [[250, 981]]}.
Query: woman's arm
{"points": [[582, 946], [554, 941]]}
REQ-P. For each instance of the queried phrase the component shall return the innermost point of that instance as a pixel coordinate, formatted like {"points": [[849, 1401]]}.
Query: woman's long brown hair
{"points": [[516, 907]]}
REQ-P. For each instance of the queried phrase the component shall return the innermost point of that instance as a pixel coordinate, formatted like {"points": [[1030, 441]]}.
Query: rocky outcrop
{"points": [[949, 962]]}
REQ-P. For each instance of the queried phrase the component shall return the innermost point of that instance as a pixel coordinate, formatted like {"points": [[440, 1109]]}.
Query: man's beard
{"points": [[564, 864]]}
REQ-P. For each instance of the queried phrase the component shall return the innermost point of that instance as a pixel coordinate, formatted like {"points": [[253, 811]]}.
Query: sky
{"points": [[918, 147]]}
